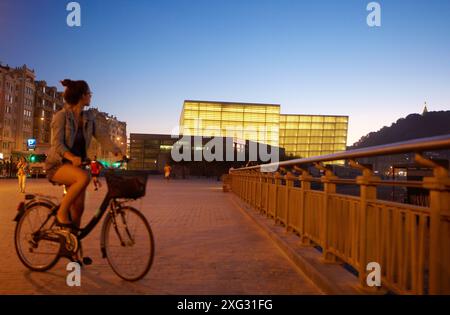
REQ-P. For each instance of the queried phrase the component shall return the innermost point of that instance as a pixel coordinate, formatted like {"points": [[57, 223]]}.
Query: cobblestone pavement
{"points": [[204, 245]]}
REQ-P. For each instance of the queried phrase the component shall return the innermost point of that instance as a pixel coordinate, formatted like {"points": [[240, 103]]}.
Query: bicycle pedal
{"points": [[87, 261], [70, 240]]}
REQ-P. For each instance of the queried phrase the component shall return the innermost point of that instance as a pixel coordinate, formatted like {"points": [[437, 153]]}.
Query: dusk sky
{"points": [[142, 59]]}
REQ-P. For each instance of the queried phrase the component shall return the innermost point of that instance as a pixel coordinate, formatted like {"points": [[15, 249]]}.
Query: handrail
{"points": [[416, 145], [408, 241]]}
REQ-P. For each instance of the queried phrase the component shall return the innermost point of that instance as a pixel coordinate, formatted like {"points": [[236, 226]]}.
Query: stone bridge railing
{"points": [[410, 243]]}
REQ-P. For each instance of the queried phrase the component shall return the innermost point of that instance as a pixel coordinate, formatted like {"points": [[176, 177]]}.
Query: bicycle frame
{"points": [[83, 232]]}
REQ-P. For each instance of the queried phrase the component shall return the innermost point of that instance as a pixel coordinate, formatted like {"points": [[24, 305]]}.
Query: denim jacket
{"points": [[64, 131]]}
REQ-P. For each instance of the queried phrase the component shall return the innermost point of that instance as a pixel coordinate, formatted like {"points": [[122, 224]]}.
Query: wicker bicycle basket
{"points": [[126, 184]]}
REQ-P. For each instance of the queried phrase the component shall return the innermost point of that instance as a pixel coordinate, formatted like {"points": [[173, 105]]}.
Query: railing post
{"points": [[368, 191], [327, 226], [246, 184], [289, 178], [439, 268], [250, 187], [254, 187], [267, 179], [230, 174], [305, 187], [240, 181], [278, 178], [259, 185], [270, 181]]}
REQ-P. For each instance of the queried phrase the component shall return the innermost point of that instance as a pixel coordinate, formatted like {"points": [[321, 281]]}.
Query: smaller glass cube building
{"points": [[313, 135]]}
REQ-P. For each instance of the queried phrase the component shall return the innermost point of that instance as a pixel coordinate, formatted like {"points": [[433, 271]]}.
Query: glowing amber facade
{"points": [[255, 122], [311, 135], [300, 135]]}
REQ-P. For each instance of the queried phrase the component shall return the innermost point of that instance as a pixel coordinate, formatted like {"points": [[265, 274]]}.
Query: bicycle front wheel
{"points": [[129, 243]]}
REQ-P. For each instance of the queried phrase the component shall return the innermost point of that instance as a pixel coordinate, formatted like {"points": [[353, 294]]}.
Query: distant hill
{"points": [[414, 126]]}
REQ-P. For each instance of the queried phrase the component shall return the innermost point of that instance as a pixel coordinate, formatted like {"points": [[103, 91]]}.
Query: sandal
{"points": [[69, 225]]}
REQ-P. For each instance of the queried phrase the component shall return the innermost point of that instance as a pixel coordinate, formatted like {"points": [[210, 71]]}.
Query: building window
{"points": [[9, 98]]}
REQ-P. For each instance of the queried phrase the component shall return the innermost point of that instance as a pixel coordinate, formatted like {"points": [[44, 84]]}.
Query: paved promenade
{"points": [[204, 245]]}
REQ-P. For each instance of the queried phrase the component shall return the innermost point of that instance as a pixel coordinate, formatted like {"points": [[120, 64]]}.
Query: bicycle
{"points": [[41, 246]]}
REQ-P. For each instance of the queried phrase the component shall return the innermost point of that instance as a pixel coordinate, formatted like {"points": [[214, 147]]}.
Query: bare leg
{"points": [[78, 180], [77, 209], [24, 179], [96, 183]]}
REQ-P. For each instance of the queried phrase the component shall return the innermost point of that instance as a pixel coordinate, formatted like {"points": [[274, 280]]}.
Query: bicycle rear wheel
{"points": [[129, 243], [36, 252]]}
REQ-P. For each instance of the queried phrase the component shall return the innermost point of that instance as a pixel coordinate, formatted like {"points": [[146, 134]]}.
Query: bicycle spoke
{"points": [[30, 224], [133, 260], [43, 254], [133, 233]]}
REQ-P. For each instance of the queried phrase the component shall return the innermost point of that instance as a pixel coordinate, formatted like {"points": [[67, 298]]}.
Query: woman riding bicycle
{"points": [[72, 132]]}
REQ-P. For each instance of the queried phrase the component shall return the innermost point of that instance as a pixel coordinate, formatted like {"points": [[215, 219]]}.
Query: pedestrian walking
{"points": [[96, 167], [167, 171], [22, 169]]}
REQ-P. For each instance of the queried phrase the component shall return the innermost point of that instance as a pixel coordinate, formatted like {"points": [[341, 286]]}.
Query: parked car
{"points": [[37, 170]]}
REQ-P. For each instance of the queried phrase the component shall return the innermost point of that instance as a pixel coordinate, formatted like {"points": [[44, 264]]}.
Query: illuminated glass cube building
{"points": [[300, 135], [255, 122]]}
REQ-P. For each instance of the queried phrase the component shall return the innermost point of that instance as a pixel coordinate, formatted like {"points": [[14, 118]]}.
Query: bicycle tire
{"points": [[107, 230], [17, 238]]}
